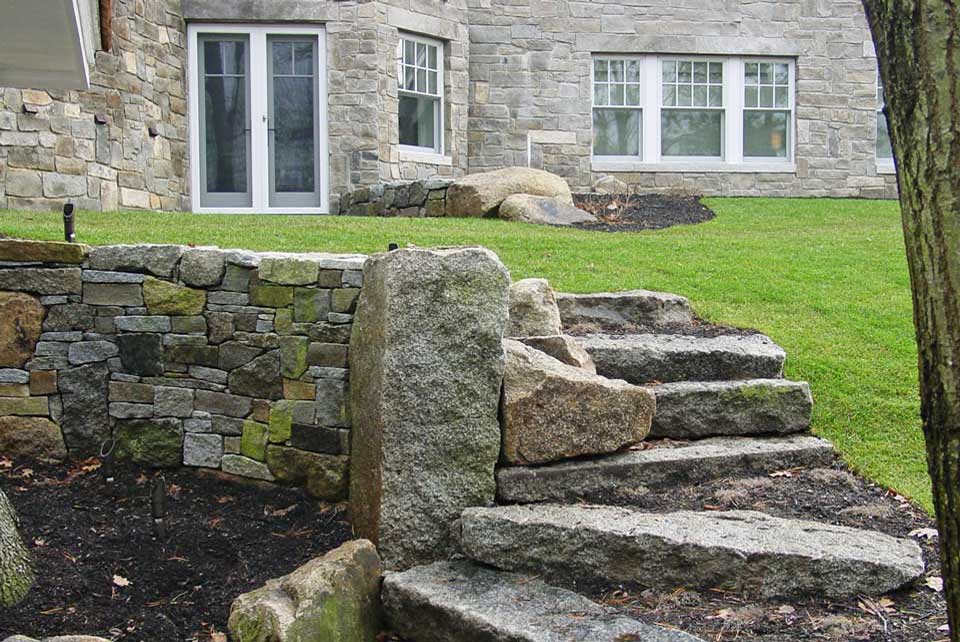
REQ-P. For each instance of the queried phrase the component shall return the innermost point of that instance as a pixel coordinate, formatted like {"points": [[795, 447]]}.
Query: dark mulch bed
{"points": [[636, 212], [102, 571], [833, 496]]}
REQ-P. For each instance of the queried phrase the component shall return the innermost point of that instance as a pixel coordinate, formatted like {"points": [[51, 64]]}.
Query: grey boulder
{"points": [[623, 309], [533, 309], [562, 348], [481, 194], [748, 552], [542, 210], [463, 602]]}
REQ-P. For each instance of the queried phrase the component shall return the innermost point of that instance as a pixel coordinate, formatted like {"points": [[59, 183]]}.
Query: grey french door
{"points": [[259, 120]]}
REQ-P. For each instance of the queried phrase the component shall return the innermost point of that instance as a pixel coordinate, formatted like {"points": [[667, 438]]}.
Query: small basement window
{"points": [[420, 92]]}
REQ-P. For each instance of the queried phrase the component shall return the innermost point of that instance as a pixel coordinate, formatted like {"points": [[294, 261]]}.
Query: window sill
{"points": [[427, 158], [600, 165], [886, 167]]}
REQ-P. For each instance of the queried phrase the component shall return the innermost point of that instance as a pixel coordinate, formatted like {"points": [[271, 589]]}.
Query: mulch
{"points": [[102, 569], [638, 212], [829, 495]]}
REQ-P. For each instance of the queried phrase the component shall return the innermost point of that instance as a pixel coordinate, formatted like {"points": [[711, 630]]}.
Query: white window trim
{"points": [[640, 108], [733, 160], [436, 153], [260, 187]]}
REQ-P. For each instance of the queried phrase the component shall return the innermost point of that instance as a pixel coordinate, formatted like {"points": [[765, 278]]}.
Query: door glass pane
{"points": [[225, 149], [293, 119], [418, 121], [616, 132], [765, 134], [691, 132], [884, 148]]}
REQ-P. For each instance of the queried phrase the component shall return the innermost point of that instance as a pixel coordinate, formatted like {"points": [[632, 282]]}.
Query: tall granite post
{"points": [[426, 370]]}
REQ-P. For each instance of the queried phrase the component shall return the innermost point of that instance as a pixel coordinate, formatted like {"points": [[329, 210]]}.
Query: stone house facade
{"points": [[285, 105]]}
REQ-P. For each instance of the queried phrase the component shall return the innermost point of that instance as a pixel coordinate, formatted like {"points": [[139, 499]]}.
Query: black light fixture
{"points": [[393, 247], [69, 234]]}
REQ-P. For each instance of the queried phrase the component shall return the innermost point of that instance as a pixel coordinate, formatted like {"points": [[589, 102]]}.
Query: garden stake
{"points": [[158, 506]]}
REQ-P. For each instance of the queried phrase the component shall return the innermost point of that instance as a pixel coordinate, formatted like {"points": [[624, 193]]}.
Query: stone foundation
{"points": [[166, 355]]}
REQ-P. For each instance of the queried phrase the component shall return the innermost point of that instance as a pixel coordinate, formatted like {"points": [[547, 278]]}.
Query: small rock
{"points": [[533, 309], [610, 185], [333, 598], [246, 467], [325, 476], [563, 348]]}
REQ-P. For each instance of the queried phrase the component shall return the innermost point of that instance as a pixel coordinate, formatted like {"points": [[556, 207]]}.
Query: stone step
{"points": [[664, 358], [757, 555], [463, 602], [623, 309], [599, 479], [699, 409]]}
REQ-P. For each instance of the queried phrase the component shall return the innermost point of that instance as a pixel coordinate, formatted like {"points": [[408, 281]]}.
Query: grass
{"points": [[826, 279]]}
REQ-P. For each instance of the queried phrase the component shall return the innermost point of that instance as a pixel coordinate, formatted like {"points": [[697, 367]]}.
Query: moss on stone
{"points": [[281, 422], [293, 356], [151, 442], [165, 298], [271, 296], [253, 442]]}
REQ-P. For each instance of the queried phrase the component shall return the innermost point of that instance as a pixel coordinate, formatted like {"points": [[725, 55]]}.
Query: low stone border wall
{"points": [[421, 198], [166, 355]]}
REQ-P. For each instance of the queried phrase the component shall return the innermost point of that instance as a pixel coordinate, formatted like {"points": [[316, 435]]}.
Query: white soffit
{"points": [[42, 45]]}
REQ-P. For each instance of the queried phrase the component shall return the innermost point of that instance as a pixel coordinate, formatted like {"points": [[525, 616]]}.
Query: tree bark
{"points": [[16, 568], [919, 53]]}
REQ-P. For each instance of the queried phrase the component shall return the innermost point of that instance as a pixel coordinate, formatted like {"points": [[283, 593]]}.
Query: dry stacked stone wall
{"points": [[166, 355], [420, 198]]}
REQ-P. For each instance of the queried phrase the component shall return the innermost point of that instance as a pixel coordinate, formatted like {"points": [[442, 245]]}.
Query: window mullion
{"points": [[733, 106], [651, 109]]}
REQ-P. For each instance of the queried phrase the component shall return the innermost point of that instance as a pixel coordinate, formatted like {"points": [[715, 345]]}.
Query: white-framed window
{"points": [[693, 113], [884, 146], [617, 107], [258, 118], [420, 93]]}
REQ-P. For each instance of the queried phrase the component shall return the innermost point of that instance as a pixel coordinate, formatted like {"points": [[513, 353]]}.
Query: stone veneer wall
{"points": [[167, 355], [123, 143], [530, 73], [427, 197]]}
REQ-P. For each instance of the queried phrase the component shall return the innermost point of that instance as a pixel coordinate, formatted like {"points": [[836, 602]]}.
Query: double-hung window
{"points": [[420, 89], [884, 147], [693, 113], [617, 109]]}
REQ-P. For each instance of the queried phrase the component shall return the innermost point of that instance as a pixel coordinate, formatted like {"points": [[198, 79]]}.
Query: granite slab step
{"points": [[623, 309], [756, 555], [464, 602], [664, 358], [600, 479], [700, 409]]}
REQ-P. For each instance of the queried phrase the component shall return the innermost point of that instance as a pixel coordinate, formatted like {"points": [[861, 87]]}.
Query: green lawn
{"points": [[826, 279]]}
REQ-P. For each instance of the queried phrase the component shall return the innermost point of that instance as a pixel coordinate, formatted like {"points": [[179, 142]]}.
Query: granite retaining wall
{"points": [[166, 355]]}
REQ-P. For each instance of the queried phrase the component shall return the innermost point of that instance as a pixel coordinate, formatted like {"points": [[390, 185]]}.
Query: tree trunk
{"points": [[16, 570], [919, 52]]}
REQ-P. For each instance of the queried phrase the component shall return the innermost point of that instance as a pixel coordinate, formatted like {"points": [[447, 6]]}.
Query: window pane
{"points": [[766, 96], [432, 78], [616, 71], [293, 113], [616, 94], [782, 99], [225, 119], [687, 132], [700, 72], [303, 57], [601, 95], [716, 95], [884, 147], [716, 72], [670, 96], [700, 96], [782, 73], [766, 73], [684, 72], [633, 71], [766, 134], [433, 57], [418, 121], [751, 96], [616, 132], [283, 58], [421, 54], [409, 78], [409, 49], [669, 71], [684, 95], [225, 57], [600, 70], [751, 73], [633, 95], [422, 80]]}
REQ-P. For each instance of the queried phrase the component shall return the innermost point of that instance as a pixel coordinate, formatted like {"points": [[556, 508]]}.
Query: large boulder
{"points": [[21, 317], [426, 367], [542, 210], [334, 598], [33, 438], [533, 309], [482, 194], [552, 411]]}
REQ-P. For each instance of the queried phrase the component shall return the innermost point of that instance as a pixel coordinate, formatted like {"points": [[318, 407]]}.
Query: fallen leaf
{"points": [[928, 534], [935, 584], [781, 473], [217, 636], [786, 609], [39, 543], [142, 479], [6, 463], [174, 491], [121, 581], [280, 512]]}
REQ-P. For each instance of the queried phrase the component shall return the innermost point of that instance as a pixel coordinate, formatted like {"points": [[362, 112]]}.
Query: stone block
{"points": [[16, 389], [141, 354], [288, 271], [85, 421], [234, 354], [42, 251], [165, 298], [25, 406], [21, 320], [293, 356], [344, 300], [310, 305], [324, 476], [328, 355], [156, 443], [124, 410], [91, 352], [119, 294], [259, 378], [220, 327], [189, 325], [13, 375], [43, 382], [202, 267], [198, 355], [281, 421], [246, 467], [236, 278], [142, 324], [158, 260], [271, 296], [428, 330], [296, 389], [317, 439], [31, 438], [202, 450], [130, 391], [173, 402], [43, 281], [220, 403]]}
